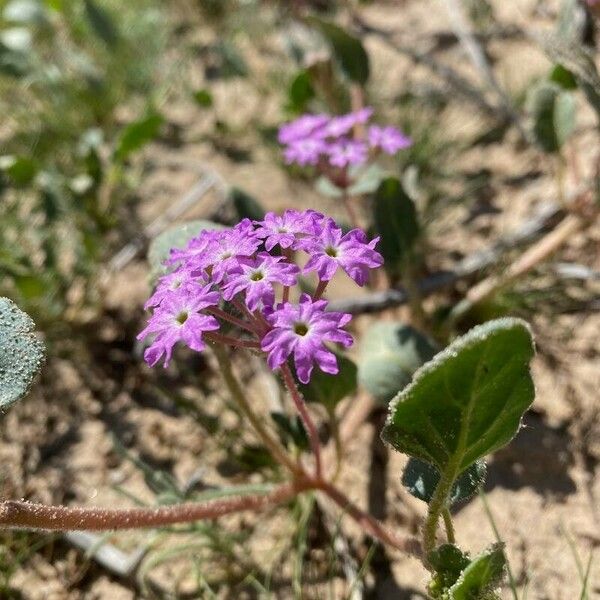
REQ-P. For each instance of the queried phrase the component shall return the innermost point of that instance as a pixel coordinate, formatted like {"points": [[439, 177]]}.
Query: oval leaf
{"points": [[396, 222], [481, 577], [21, 353], [348, 50], [175, 237], [468, 401], [390, 353], [421, 479], [137, 134]]}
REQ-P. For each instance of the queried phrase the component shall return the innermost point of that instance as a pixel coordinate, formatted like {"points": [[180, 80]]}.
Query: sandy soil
{"points": [[543, 489]]}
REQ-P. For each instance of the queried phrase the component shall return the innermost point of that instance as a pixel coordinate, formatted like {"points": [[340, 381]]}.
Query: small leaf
{"points": [[291, 428], [137, 134], [102, 23], [20, 169], [468, 401], [564, 117], [21, 353], [390, 353], [301, 92], [327, 188], [366, 182], [563, 77], [327, 389], [175, 237], [553, 111], [448, 561], [203, 98], [246, 207], [396, 222], [421, 479], [482, 576], [348, 50]]}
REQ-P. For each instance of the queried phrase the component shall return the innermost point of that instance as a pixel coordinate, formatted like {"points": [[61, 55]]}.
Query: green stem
{"points": [[437, 506], [237, 394], [450, 535]]}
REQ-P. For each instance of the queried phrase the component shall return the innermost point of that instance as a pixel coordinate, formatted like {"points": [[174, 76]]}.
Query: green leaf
{"points": [[348, 50], [553, 111], [420, 479], [481, 577], [396, 222], [327, 389], [468, 401], [246, 207], [564, 117], [175, 237], [20, 169], [390, 353], [300, 92], [448, 561], [21, 353], [203, 98], [563, 77], [291, 428], [102, 23], [137, 134]]}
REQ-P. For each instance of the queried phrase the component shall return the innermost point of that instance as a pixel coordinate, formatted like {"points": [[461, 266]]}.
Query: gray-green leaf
{"points": [[420, 479], [469, 400], [175, 237], [21, 353], [390, 353]]}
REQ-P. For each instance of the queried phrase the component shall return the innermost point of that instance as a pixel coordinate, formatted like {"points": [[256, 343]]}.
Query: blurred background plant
{"points": [[79, 86]]}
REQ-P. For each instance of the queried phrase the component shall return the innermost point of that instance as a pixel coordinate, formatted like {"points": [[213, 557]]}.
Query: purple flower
{"points": [[301, 128], [178, 319], [285, 229], [168, 285], [348, 152], [342, 125], [223, 253], [301, 330], [389, 139], [305, 152], [257, 278], [352, 252]]}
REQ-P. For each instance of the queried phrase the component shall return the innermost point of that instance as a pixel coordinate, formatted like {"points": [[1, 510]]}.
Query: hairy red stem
{"points": [[26, 515], [309, 424]]}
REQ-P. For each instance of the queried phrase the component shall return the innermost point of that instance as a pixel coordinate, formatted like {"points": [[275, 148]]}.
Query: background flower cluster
{"points": [[338, 141]]}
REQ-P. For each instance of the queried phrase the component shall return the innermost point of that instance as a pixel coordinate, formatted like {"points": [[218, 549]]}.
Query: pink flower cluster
{"points": [[235, 276], [325, 140]]}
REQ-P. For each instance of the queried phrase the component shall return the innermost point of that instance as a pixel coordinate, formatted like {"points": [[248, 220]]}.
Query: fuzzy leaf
{"points": [[21, 353], [468, 401], [448, 561], [420, 479], [396, 222], [348, 50], [390, 353], [481, 577], [175, 237]]}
